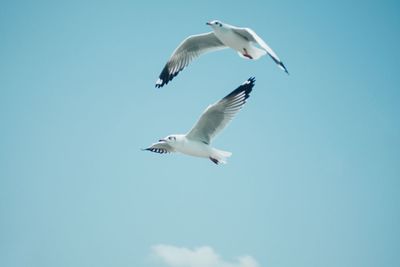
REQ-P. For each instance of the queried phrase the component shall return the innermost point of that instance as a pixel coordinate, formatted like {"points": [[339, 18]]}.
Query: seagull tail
{"points": [[256, 52], [220, 156]]}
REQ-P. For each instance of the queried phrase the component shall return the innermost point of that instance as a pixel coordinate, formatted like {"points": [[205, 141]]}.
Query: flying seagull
{"points": [[223, 36], [197, 142]]}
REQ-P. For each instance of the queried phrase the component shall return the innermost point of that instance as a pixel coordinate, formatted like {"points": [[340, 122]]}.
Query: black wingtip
{"points": [[165, 77], [247, 87], [284, 68], [156, 150], [280, 64], [249, 84], [251, 80]]}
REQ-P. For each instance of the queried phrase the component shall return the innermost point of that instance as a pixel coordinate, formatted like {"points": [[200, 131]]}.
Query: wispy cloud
{"points": [[198, 257]]}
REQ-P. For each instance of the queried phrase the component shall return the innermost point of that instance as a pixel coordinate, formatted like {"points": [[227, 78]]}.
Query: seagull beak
{"points": [[162, 140], [208, 23]]}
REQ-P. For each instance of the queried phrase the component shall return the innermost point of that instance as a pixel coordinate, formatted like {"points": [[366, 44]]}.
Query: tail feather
{"points": [[256, 52], [220, 156]]}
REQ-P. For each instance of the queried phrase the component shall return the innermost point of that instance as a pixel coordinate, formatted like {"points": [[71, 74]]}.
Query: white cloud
{"points": [[198, 257]]}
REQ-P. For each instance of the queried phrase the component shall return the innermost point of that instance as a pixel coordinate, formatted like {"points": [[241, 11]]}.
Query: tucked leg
{"points": [[214, 160], [246, 54]]}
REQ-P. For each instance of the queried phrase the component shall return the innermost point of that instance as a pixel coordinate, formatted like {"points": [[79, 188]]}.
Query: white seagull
{"points": [[213, 120], [223, 36]]}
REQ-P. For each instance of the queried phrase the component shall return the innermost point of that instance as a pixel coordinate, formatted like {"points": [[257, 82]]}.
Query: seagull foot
{"points": [[214, 160], [246, 54]]}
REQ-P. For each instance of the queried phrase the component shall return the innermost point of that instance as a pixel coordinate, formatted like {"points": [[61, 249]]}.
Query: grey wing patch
{"points": [[244, 37], [244, 33], [191, 48], [207, 125], [215, 118]]}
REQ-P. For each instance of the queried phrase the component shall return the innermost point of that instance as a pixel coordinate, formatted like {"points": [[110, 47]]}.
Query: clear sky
{"points": [[315, 173]]}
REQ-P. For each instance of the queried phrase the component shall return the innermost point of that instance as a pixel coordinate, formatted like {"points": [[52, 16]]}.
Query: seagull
{"points": [[223, 36], [197, 142]]}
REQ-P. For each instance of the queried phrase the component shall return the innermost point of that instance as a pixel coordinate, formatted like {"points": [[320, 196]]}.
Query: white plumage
{"points": [[213, 120], [242, 40]]}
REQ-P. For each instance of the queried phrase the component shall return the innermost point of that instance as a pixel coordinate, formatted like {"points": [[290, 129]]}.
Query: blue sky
{"points": [[314, 175]]}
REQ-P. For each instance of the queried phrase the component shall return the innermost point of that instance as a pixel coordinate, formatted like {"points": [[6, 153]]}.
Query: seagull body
{"points": [[242, 40], [191, 147], [197, 142], [232, 39]]}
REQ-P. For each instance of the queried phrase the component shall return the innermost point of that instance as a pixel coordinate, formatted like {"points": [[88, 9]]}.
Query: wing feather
{"points": [[161, 148], [217, 116], [251, 36], [190, 48]]}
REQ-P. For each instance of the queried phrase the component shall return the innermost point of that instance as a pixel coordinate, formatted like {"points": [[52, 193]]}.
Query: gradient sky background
{"points": [[314, 176]]}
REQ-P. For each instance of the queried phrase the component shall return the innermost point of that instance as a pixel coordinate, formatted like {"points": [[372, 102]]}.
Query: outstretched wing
{"points": [[218, 115], [191, 48], [160, 147], [251, 36]]}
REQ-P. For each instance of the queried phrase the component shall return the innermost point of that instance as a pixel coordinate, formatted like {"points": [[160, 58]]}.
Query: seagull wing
{"points": [[251, 36], [191, 48], [160, 147], [218, 115]]}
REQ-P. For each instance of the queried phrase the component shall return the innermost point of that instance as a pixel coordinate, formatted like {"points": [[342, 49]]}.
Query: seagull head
{"points": [[169, 139], [215, 24]]}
